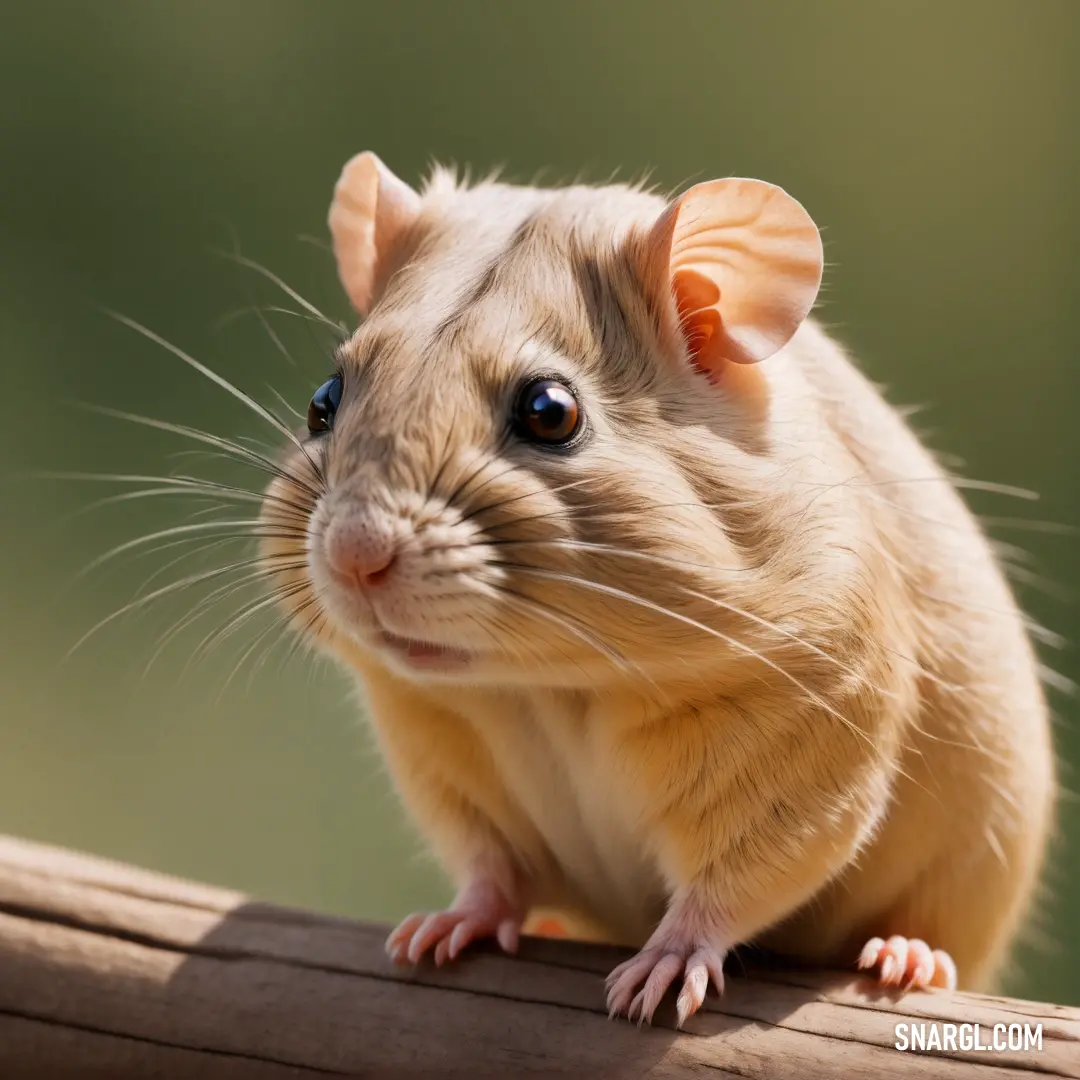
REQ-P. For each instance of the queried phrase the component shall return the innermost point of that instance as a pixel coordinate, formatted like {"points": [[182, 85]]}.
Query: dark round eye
{"points": [[323, 406], [547, 412]]}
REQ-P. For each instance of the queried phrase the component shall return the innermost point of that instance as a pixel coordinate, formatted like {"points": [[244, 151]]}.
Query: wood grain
{"points": [[111, 971]]}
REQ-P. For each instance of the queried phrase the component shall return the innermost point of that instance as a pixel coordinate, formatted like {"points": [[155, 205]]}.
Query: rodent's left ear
{"points": [[744, 261], [370, 210]]}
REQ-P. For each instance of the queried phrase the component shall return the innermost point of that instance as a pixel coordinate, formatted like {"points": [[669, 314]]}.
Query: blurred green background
{"points": [[936, 142]]}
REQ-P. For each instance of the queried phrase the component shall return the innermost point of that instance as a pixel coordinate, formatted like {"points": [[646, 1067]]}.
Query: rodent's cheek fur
{"points": [[445, 592], [289, 502]]}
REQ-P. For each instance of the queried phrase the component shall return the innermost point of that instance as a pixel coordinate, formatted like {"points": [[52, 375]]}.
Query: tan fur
{"points": [[823, 723]]}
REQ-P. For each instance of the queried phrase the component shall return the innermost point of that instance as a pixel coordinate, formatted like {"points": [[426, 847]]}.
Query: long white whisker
{"points": [[231, 449], [956, 481], [263, 572], [232, 588], [245, 614], [220, 499], [300, 640], [282, 627], [995, 489], [1030, 525], [315, 241], [242, 260], [511, 639], [1061, 683], [165, 590], [562, 620], [176, 530], [231, 316], [220, 380], [517, 498], [156, 549], [1019, 523], [1036, 581], [723, 604], [195, 484], [271, 333], [734, 643], [286, 406], [172, 563]]}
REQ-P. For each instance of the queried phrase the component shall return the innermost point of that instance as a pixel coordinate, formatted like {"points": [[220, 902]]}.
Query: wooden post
{"points": [[111, 971]]}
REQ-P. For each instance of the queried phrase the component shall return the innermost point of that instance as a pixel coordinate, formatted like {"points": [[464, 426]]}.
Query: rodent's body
{"points": [[781, 691], [949, 809]]}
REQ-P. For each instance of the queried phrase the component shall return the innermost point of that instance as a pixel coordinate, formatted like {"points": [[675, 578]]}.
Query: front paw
{"points": [[654, 969], [481, 910]]}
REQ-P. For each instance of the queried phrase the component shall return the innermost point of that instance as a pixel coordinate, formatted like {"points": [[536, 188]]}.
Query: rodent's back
{"points": [[973, 797]]}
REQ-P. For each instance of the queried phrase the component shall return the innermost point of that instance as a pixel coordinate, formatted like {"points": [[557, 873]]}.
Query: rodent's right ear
{"points": [[370, 210], [742, 260]]}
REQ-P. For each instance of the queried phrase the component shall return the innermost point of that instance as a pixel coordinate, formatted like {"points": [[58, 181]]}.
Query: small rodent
{"points": [[666, 620]]}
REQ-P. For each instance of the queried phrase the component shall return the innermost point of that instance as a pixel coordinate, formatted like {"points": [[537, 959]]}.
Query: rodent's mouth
{"points": [[424, 655]]}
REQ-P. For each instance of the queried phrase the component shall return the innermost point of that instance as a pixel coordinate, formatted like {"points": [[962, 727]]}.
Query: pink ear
{"points": [[370, 210], [744, 262]]}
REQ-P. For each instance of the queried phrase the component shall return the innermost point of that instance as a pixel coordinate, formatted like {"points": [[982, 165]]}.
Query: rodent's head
{"points": [[545, 455]]}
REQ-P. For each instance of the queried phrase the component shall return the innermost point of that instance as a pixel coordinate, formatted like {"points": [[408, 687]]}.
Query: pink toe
{"points": [[868, 958], [431, 930], [618, 998], [920, 964], [617, 972], [397, 944], [693, 992], [944, 970], [442, 952], [894, 960], [625, 979], [509, 935], [660, 978], [714, 965], [632, 970], [462, 934], [403, 932]]}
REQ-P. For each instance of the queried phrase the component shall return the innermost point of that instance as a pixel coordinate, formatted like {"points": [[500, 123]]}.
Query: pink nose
{"points": [[361, 549]]}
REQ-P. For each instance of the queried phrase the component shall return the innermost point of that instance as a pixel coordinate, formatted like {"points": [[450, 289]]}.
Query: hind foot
{"points": [[908, 963]]}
